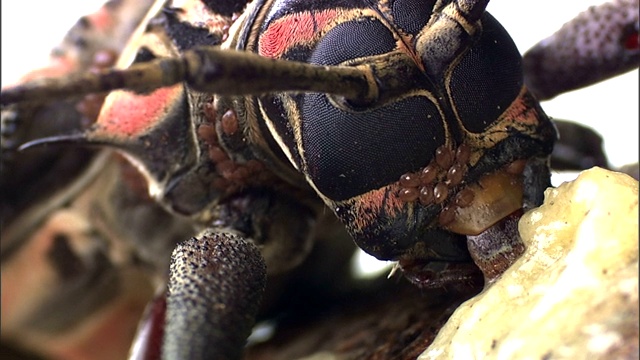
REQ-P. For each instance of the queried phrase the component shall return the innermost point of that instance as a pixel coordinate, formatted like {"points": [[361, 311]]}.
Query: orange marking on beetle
{"points": [[128, 114], [520, 110], [294, 29], [369, 206]]}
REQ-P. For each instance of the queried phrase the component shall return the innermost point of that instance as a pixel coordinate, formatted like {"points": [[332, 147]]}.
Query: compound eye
{"points": [[351, 152], [487, 79], [412, 15], [348, 154], [352, 40]]}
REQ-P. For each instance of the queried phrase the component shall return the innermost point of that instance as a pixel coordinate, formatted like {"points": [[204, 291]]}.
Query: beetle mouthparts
{"points": [[496, 195]]}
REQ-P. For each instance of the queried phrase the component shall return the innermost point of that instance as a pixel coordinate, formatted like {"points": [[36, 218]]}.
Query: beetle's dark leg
{"points": [[215, 287], [578, 148], [598, 44]]}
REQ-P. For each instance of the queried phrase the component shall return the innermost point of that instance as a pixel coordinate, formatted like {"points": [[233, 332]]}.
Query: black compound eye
{"points": [[352, 40], [349, 154], [412, 15], [488, 78]]}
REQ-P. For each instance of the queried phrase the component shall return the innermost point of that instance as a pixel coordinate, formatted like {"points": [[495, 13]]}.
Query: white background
{"points": [[31, 28]]}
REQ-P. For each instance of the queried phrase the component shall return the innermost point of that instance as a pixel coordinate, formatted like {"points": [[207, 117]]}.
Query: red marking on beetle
{"points": [[128, 114], [291, 30], [632, 42], [101, 19]]}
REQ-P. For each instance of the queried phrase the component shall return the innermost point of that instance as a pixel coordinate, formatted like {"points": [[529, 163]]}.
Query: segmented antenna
{"points": [[224, 72]]}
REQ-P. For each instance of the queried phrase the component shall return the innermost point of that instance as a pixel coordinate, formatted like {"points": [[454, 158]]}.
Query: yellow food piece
{"points": [[574, 292]]}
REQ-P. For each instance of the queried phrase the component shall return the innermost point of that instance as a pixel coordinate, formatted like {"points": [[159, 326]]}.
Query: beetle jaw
{"points": [[501, 180], [389, 228], [386, 227]]}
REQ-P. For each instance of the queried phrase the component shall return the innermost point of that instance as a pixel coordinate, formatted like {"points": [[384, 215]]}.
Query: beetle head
{"points": [[442, 151]]}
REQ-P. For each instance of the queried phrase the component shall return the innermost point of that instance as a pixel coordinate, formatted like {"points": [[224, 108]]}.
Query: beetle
{"points": [[381, 209]]}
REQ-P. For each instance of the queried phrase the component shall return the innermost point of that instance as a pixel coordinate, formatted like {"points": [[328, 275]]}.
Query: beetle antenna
{"points": [[449, 33], [208, 69]]}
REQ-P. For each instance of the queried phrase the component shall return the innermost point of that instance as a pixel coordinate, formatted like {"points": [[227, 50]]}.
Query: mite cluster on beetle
{"points": [[233, 175], [433, 183]]}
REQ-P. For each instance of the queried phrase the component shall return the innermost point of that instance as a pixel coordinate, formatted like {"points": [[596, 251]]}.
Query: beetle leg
{"points": [[215, 287], [598, 44], [279, 225], [578, 148], [217, 278]]}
